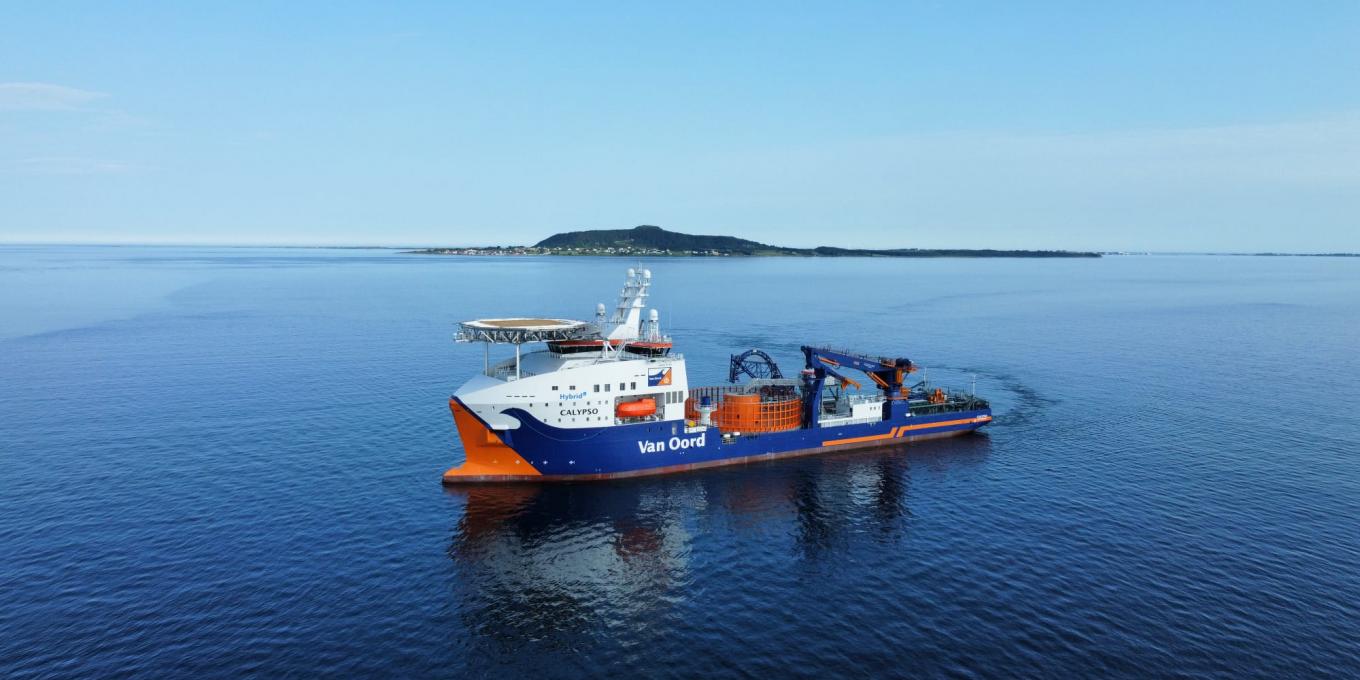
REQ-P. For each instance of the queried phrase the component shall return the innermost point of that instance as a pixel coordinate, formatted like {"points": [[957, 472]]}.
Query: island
{"points": [[653, 241]]}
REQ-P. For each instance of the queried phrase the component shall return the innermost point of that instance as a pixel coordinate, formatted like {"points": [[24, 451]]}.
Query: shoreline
{"points": [[517, 251], [494, 251]]}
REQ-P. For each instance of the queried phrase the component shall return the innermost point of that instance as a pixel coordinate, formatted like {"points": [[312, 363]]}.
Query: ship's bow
{"points": [[487, 457]]}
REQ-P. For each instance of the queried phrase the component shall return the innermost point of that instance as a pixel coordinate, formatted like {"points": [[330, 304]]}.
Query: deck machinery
{"points": [[822, 392]]}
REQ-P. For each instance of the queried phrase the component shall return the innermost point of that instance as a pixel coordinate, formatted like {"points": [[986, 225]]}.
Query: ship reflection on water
{"points": [[562, 564]]}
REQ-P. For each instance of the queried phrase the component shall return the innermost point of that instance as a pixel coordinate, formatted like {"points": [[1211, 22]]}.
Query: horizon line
{"points": [[336, 246]]}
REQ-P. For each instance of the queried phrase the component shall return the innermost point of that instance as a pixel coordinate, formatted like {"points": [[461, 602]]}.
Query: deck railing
{"points": [[506, 372]]}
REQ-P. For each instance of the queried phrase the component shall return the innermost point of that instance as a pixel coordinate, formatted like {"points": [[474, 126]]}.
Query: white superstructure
{"points": [[628, 314], [588, 376]]}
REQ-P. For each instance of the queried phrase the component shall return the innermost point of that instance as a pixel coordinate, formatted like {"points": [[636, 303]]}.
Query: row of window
{"points": [[622, 387], [677, 397]]}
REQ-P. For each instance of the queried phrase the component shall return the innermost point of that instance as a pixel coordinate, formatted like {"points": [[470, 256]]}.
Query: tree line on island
{"points": [[653, 240]]}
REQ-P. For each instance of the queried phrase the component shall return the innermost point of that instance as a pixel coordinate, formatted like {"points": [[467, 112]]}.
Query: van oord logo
{"points": [[673, 444], [659, 377]]}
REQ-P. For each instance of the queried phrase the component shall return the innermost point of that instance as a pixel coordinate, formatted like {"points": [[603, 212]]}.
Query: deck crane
{"points": [[821, 362]]}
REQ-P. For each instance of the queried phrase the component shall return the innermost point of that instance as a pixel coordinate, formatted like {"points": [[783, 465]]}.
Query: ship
{"points": [[610, 398]]}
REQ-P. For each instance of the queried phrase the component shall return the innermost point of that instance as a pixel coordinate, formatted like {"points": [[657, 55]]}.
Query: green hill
{"points": [[649, 236], [648, 239]]}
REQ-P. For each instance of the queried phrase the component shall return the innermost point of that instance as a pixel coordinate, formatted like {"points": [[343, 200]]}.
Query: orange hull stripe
{"points": [[947, 423], [859, 440], [486, 453], [901, 431]]}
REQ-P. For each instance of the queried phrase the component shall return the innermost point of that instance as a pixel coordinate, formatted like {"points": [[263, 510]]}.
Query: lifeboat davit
{"points": [[636, 409]]}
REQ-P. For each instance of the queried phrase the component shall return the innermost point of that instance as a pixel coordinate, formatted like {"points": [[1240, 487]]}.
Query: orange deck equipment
{"points": [[753, 413]]}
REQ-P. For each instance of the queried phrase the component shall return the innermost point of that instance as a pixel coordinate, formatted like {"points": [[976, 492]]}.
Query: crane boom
{"points": [[886, 372]]}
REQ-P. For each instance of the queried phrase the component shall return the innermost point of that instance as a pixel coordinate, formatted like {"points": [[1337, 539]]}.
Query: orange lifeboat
{"points": [[636, 409]]}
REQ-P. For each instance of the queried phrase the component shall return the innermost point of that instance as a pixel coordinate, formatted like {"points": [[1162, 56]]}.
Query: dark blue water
{"points": [[226, 462]]}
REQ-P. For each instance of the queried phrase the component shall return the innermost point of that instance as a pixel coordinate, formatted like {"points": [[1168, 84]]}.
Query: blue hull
{"points": [[553, 453]]}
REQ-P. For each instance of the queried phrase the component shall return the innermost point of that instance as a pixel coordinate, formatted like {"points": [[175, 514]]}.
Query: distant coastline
{"points": [[1196, 254], [493, 251], [1296, 254], [653, 241]]}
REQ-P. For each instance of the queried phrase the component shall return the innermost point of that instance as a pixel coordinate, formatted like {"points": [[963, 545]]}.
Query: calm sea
{"points": [[222, 462]]}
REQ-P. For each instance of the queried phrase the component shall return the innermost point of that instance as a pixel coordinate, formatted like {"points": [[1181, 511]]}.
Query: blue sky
{"points": [[1231, 126]]}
